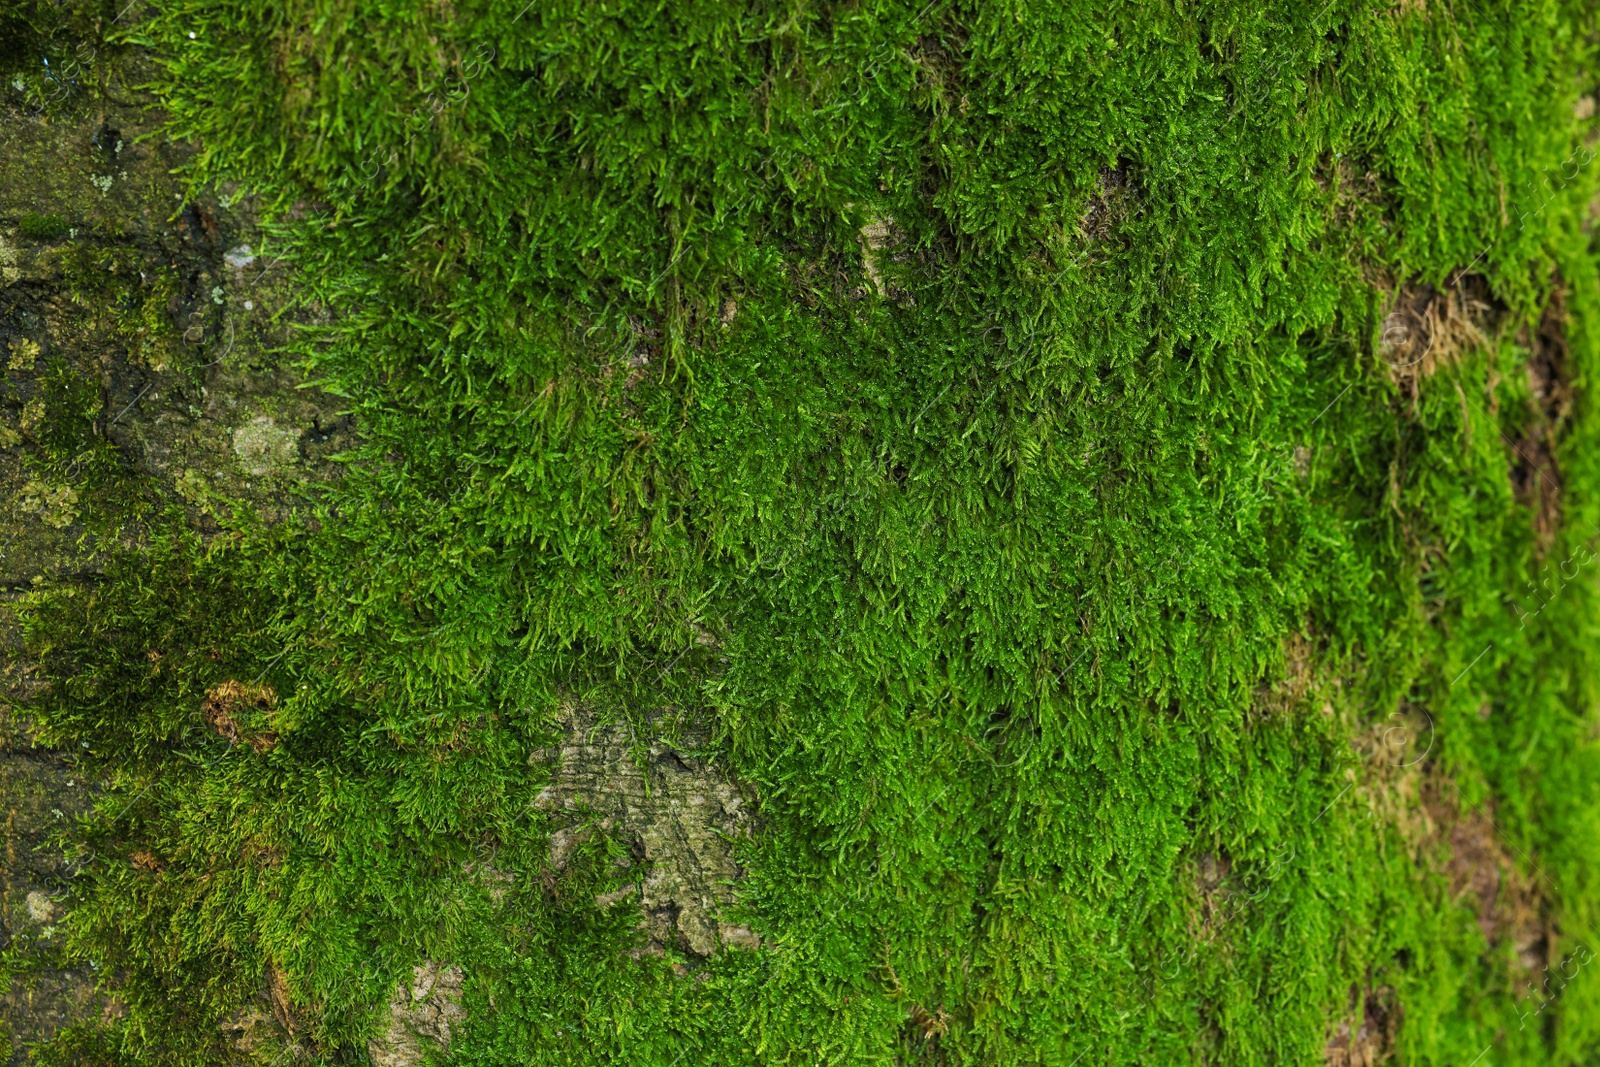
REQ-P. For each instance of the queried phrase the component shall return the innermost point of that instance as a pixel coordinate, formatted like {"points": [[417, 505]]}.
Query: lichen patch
{"points": [[41, 909], [264, 447], [10, 272], [56, 505]]}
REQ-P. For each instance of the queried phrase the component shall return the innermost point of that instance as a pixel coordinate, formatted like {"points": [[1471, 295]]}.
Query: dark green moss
{"points": [[42, 227], [52, 52]]}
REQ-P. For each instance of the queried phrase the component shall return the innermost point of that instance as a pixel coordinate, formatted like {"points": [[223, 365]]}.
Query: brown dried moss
{"points": [[1429, 328], [228, 705]]}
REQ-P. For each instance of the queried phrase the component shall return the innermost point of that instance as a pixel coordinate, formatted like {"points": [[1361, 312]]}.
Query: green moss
{"points": [[52, 54], [1069, 570], [42, 227], [129, 298]]}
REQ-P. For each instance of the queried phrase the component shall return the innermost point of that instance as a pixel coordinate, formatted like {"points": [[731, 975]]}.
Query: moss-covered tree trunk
{"points": [[734, 533]]}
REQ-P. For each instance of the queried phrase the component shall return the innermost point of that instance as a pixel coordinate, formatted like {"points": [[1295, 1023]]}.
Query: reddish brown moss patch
{"points": [[146, 860]]}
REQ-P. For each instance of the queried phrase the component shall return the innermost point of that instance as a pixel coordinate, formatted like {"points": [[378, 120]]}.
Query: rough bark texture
{"points": [[677, 815], [91, 221], [192, 396]]}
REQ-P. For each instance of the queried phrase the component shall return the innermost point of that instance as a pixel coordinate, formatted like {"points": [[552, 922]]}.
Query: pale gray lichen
{"points": [[41, 909], [263, 446]]}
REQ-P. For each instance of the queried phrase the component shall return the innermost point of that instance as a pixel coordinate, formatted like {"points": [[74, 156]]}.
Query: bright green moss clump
{"points": [[1095, 467]]}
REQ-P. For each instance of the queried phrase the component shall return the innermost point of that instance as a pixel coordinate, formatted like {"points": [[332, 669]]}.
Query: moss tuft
{"points": [[42, 227]]}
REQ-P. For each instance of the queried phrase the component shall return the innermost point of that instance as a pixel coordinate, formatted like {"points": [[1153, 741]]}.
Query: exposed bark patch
{"points": [[104, 280], [1535, 473], [1211, 870], [1376, 1016], [1404, 790], [678, 816], [268, 1030], [938, 61], [1429, 328], [282, 1002], [1115, 198], [1484, 876], [1396, 750], [1215, 904], [233, 710], [648, 343], [874, 239], [423, 1015], [1291, 689], [882, 241], [256, 1032], [40, 792]]}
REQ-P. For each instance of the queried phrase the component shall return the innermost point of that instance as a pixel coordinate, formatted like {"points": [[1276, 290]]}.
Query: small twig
{"points": [[225, 351], [132, 402], [671, 665], [1332, 402]]}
